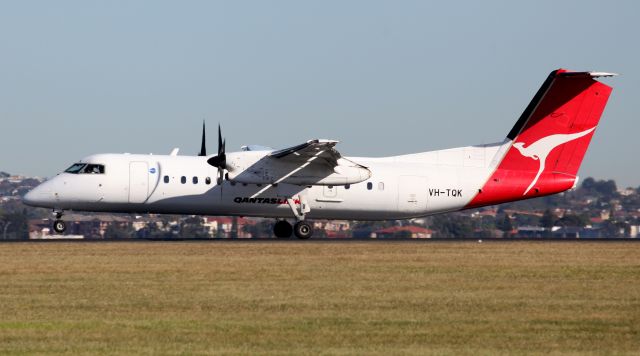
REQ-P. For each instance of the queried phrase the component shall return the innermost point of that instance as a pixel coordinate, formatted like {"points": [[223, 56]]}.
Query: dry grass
{"points": [[331, 298]]}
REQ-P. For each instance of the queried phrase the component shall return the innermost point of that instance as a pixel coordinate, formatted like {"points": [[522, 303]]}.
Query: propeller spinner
{"points": [[220, 160]]}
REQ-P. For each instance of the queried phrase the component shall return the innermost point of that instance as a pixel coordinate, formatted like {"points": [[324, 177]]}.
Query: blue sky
{"points": [[384, 78]]}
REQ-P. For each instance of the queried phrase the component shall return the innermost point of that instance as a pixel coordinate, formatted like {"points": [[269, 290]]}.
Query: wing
{"points": [[315, 162], [318, 151]]}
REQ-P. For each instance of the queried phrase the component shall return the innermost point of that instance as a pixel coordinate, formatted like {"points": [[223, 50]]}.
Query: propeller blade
{"points": [[220, 143], [220, 160], [203, 146]]}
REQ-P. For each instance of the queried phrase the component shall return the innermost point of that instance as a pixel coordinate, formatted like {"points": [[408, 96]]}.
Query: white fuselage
{"points": [[399, 187], [540, 156]]}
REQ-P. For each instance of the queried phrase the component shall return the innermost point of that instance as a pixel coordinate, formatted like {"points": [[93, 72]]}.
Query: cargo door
{"points": [[412, 194]]}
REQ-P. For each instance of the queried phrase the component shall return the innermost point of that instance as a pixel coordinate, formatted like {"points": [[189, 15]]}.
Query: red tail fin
{"points": [[549, 140]]}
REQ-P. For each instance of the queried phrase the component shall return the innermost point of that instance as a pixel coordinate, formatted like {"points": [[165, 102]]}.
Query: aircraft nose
{"points": [[30, 197], [37, 196]]}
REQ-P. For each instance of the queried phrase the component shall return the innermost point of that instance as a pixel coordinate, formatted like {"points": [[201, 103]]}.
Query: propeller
{"points": [[203, 146], [219, 160]]}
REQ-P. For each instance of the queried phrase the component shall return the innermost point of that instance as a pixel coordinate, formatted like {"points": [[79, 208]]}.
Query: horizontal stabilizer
{"points": [[585, 74]]}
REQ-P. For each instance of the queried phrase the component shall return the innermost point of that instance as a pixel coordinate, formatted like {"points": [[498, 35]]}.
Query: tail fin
{"points": [[549, 140]]}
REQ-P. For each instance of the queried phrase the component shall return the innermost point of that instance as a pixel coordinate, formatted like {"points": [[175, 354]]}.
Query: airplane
{"points": [[540, 156]]}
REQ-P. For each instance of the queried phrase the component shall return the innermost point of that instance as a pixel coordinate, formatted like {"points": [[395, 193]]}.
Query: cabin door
{"points": [[138, 182]]}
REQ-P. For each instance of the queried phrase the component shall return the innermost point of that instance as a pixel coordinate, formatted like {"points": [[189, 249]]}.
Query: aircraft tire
{"points": [[303, 230], [282, 229], [59, 226]]}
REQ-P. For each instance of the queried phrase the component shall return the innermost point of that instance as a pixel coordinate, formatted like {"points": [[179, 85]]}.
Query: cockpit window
{"points": [[84, 168], [94, 169], [75, 168]]}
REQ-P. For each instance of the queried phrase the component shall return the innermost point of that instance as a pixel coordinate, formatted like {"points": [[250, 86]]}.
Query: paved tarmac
{"points": [[334, 240]]}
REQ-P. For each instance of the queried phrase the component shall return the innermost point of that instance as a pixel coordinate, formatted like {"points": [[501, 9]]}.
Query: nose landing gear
{"points": [[59, 226]]}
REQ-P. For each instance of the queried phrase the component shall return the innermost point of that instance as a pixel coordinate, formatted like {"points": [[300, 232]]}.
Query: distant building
{"points": [[532, 232], [222, 226], [412, 231]]}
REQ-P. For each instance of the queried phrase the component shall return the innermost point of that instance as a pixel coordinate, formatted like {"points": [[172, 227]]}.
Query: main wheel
{"points": [[59, 226], [282, 229], [303, 230]]}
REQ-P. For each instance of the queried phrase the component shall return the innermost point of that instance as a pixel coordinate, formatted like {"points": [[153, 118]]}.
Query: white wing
{"points": [[315, 162], [321, 151]]}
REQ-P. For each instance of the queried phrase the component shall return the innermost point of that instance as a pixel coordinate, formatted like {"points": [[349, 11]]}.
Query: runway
{"points": [[331, 240]]}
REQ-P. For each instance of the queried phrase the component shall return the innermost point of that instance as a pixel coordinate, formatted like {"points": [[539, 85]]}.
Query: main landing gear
{"points": [[282, 229], [302, 229], [59, 226]]}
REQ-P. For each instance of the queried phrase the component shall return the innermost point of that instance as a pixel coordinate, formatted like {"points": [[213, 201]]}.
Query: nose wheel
{"points": [[59, 226]]}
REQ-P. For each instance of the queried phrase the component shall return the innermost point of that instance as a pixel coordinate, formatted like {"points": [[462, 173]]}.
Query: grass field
{"points": [[330, 298]]}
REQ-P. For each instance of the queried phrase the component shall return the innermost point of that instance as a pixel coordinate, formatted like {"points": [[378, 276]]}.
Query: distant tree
{"points": [[487, 222], [611, 229], [234, 227], [548, 219], [607, 188], [114, 231], [220, 233], [451, 225], [192, 227], [16, 224], [589, 183], [527, 219], [505, 225], [152, 231], [573, 220]]}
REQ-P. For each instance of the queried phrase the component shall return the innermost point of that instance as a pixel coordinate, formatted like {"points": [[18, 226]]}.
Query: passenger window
{"points": [[369, 186], [207, 180], [183, 179], [166, 179], [381, 186], [195, 180]]}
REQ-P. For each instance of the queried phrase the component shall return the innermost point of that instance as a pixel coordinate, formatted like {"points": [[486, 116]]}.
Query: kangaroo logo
{"points": [[540, 149]]}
